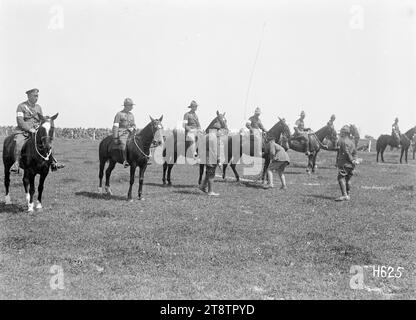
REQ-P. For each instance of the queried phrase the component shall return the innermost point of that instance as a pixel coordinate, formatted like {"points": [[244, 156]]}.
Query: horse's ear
{"points": [[161, 117], [151, 119], [55, 116], [280, 119], [218, 113], [41, 117], [223, 114]]}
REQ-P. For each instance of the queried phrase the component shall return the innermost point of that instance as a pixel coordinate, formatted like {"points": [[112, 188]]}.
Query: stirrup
{"points": [[125, 164]]}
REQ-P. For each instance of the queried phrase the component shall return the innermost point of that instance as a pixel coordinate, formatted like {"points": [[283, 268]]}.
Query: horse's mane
{"points": [[409, 133]]}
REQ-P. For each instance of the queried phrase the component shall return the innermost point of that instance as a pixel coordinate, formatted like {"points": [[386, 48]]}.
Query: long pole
{"points": [[252, 70]]}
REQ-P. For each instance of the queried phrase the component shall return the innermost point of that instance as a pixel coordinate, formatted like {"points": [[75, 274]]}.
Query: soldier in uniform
{"points": [[331, 121], [302, 133], [192, 126], [345, 162], [123, 126], [27, 117], [395, 131], [254, 122]]}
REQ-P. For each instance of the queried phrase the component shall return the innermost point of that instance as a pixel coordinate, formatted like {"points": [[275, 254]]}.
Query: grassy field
{"points": [[178, 243]]}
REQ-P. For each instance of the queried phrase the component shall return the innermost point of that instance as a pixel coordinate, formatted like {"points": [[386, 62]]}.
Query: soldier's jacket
{"points": [[191, 121], [346, 152], [255, 123], [395, 128], [27, 117], [123, 122], [277, 152]]}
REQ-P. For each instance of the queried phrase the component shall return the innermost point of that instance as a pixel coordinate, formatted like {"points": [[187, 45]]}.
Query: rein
{"points": [[141, 151], [37, 151]]}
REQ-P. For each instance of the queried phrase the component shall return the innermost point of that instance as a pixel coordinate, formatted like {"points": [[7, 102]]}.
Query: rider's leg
{"points": [[20, 140]]}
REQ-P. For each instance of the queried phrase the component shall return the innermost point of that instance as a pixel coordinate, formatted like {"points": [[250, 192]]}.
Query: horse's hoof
{"points": [[130, 200], [7, 200], [108, 191], [141, 198], [30, 207], [39, 206], [169, 183], [100, 190]]}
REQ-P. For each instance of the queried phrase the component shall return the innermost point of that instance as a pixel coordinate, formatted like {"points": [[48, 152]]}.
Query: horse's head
{"points": [[45, 131], [157, 129], [219, 123], [354, 133], [279, 129]]}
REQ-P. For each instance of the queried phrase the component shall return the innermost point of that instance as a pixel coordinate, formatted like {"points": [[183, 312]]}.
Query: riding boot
{"points": [[343, 188], [55, 165]]}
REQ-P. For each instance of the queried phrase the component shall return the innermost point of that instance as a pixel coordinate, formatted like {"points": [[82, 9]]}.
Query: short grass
{"points": [[248, 243]]}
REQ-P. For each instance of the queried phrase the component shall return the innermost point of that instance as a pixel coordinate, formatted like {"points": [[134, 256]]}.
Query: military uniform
{"points": [[395, 132], [345, 163], [192, 125], [255, 123], [122, 127], [27, 118], [279, 158]]}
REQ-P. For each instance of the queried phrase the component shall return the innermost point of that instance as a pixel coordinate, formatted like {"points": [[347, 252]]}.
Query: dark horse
{"points": [[315, 144], [384, 140], [250, 145], [35, 159], [138, 150], [176, 145]]}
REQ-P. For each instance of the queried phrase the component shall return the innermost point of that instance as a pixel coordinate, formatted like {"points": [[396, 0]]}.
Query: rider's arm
{"points": [[261, 126], [185, 122], [132, 123], [26, 126], [116, 125]]}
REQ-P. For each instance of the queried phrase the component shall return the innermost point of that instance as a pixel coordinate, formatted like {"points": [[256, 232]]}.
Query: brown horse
{"points": [[138, 150], [406, 141], [252, 146], [176, 145], [315, 144], [35, 159]]}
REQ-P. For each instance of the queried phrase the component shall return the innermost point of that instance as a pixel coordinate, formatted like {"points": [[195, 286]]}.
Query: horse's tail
{"points": [[8, 149], [104, 150]]}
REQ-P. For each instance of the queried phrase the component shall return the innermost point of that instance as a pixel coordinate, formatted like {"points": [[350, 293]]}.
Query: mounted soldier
{"points": [[395, 132], [192, 127], [28, 117], [302, 133], [123, 126]]}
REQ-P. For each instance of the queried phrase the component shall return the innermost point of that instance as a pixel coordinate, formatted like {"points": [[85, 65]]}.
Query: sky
{"points": [[354, 59]]}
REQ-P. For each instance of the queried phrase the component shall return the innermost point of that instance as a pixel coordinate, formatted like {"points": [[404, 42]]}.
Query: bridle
{"points": [[153, 145], [46, 158]]}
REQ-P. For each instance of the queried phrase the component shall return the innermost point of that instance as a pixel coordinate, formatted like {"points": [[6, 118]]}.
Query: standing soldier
{"points": [[345, 162], [395, 131], [192, 126], [302, 133], [27, 117], [122, 128]]}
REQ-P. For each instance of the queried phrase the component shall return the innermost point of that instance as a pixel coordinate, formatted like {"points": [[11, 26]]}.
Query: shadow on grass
{"points": [[103, 196], [252, 185], [161, 185], [12, 208], [318, 196], [196, 191]]}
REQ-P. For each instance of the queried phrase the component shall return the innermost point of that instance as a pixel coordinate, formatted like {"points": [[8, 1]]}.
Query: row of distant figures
{"points": [[68, 133]]}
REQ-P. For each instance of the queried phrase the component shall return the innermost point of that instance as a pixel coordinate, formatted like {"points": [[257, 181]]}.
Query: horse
{"points": [[383, 141], [315, 144], [406, 141], [138, 150], [35, 159], [248, 146], [414, 145], [176, 145], [355, 134]]}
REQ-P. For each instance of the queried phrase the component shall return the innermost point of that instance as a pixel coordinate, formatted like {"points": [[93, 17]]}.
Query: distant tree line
{"points": [[68, 133]]}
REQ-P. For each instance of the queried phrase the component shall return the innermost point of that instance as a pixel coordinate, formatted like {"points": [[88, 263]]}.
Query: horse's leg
{"points": [[141, 178], [382, 153], [401, 154], [31, 191], [133, 167], [224, 169], [237, 176], [266, 165], [309, 167], [107, 176], [405, 154], [40, 190], [315, 154], [101, 174], [7, 199], [165, 166], [201, 173]]}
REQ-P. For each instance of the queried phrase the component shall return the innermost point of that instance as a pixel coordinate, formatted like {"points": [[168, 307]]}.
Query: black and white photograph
{"points": [[207, 150]]}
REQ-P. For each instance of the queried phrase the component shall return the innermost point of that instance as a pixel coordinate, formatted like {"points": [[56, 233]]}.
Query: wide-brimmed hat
{"points": [[128, 102], [345, 129], [32, 91], [333, 116], [193, 104], [257, 110], [302, 113]]}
